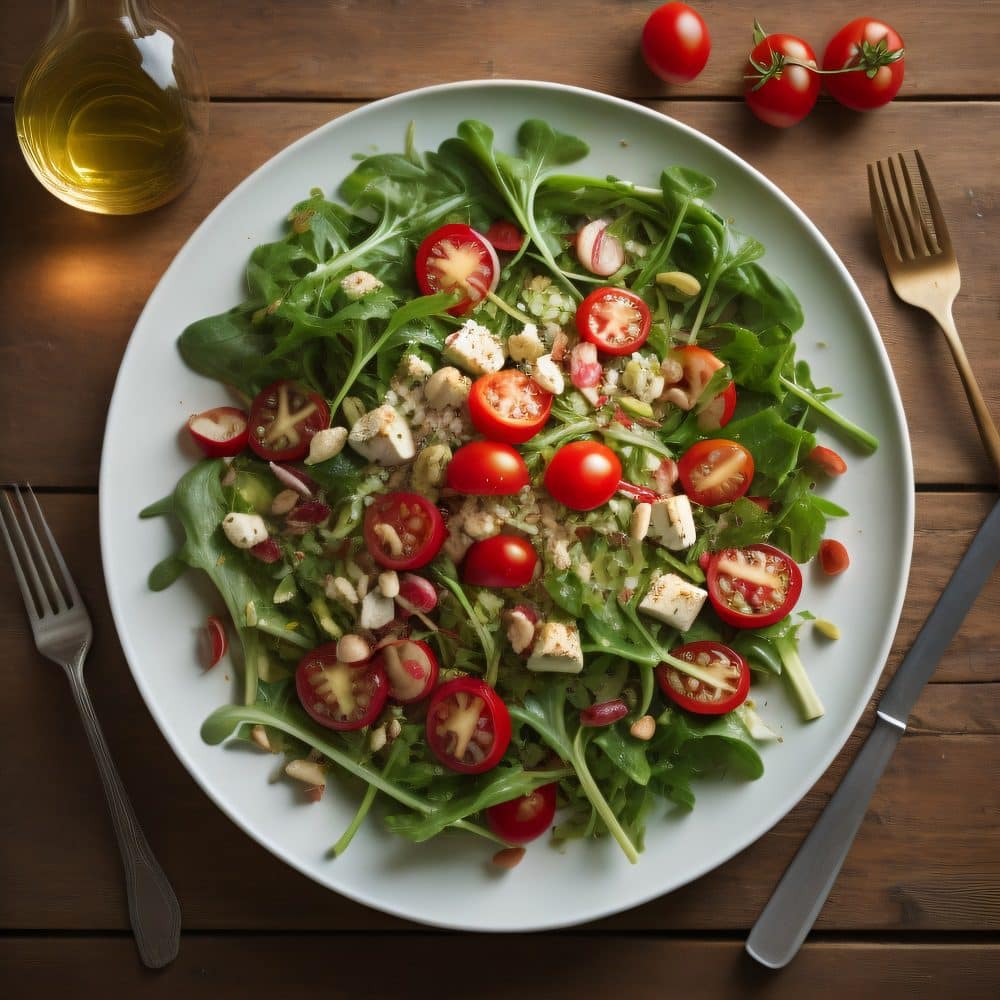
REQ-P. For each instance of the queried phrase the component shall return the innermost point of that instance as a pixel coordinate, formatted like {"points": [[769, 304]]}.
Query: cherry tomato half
{"points": [[340, 695], [583, 475], [500, 561], [403, 530], [508, 406], [614, 320], [699, 365], [468, 725], [785, 93], [724, 664], [487, 468], [411, 668], [676, 43], [827, 460], [455, 258], [753, 586], [833, 556], [220, 432], [505, 236], [525, 818], [873, 47], [283, 419], [715, 471]]}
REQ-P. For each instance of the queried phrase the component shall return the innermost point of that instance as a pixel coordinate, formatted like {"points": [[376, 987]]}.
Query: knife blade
{"points": [[796, 902]]}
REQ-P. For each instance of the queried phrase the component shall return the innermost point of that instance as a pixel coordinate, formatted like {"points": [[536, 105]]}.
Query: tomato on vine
{"points": [[781, 83], [863, 64]]}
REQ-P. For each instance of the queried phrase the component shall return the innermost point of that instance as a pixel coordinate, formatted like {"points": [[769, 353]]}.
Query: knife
{"points": [[792, 909]]}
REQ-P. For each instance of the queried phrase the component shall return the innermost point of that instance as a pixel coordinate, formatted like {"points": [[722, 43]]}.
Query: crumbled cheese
{"points": [[526, 345], [557, 649], [359, 284], [549, 375], [474, 348], [672, 523], [244, 530], [383, 436]]}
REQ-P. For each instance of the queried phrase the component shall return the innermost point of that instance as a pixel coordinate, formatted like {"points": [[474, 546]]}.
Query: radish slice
{"points": [[416, 593], [293, 480], [216, 642], [598, 252], [585, 371]]}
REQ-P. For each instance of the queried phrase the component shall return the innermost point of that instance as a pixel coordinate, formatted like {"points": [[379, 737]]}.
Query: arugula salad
{"points": [[513, 509]]}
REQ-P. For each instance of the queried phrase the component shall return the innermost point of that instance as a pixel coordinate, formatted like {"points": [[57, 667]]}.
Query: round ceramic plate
{"points": [[448, 881]]}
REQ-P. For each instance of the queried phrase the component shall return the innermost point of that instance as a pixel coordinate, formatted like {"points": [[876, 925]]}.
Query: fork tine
{"points": [[34, 599], [940, 226], [69, 587], [886, 238], [908, 209], [894, 215], [924, 235], [56, 599]]}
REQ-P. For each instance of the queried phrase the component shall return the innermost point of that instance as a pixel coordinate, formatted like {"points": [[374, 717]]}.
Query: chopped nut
{"points": [[259, 735], [644, 728], [340, 587], [826, 628], [326, 444], [284, 502], [306, 771], [686, 284], [394, 729], [352, 649], [388, 583], [509, 857], [251, 614], [520, 630], [639, 524], [377, 739]]}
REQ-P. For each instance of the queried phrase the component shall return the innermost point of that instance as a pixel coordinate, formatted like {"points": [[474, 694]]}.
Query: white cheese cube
{"points": [[674, 601], [671, 523], [244, 530], [475, 349], [447, 387], [383, 437], [526, 345], [557, 649], [377, 610]]}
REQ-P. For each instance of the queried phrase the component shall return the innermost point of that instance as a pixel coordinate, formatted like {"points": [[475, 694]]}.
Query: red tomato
{"points": [[724, 664], [340, 695], [828, 461], [216, 642], [753, 586], [283, 419], [403, 530], [833, 557], [676, 43], [500, 561], [877, 51], [699, 366], [411, 668], [508, 406], [615, 320], [468, 725], [487, 468], [524, 818], [267, 551], [220, 432], [455, 258], [603, 714], [780, 92], [505, 235], [715, 471], [583, 475]]}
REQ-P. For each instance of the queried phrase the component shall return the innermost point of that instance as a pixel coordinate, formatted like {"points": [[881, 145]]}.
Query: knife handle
{"points": [[792, 909]]}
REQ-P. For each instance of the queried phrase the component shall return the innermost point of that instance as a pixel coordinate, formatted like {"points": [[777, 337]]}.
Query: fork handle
{"points": [[153, 909], [987, 429]]}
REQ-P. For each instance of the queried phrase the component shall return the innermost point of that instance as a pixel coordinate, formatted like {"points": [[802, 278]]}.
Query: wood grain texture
{"points": [[928, 856], [369, 48], [555, 966], [93, 273]]}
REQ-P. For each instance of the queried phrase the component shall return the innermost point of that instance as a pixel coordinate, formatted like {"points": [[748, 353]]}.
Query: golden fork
{"points": [[922, 266]]}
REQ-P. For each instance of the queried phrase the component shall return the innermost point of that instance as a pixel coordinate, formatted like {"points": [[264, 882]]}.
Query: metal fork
{"points": [[63, 632], [922, 266]]}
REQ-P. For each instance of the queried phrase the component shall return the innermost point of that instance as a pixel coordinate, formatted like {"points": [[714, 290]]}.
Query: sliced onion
{"points": [[293, 480]]}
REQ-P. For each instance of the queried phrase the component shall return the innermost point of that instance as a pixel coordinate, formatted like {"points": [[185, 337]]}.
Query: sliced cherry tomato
{"points": [[525, 818], [676, 43], [603, 714], [753, 586], [724, 664], [715, 471], [468, 725], [403, 530], [505, 236], [455, 258], [500, 561], [508, 406], [340, 695], [827, 460], [411, 668], [216, 642], [778, 91], [283, 419], [220, 432], [877, 52], [267, 551], [614, 320], [583, 475], [699, 366], [487, 468], [833, 557]]}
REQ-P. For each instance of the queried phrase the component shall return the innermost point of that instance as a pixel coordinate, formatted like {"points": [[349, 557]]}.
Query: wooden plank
{"points": [[94, 273], [927, 858], [361, 50], [571, 966]]}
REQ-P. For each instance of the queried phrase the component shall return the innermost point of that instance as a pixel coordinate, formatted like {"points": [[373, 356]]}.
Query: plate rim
{"points": [[755, 830]]}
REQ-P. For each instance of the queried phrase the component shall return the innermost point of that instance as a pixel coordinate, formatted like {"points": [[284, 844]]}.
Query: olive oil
{"points": [[111, 113]]}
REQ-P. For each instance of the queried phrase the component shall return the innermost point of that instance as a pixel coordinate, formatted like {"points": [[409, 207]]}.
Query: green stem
{"points": [[851, 429], [795, 673], [508, 309], [371, 791], [490, 649], [598, 801]]}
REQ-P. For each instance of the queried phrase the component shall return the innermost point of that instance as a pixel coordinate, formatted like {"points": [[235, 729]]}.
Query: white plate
{"points": [[448, 882]]}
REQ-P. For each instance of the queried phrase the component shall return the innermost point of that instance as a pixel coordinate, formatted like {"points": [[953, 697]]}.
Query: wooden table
{"points": [[916, 910]]}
